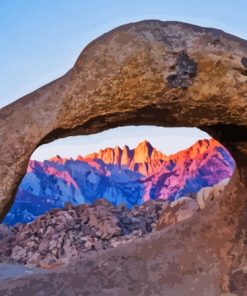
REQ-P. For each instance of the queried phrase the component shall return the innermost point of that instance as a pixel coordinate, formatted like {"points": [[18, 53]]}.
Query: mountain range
{"points": [[121, 176]]}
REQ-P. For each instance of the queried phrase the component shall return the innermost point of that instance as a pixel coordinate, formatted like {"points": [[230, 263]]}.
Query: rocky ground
{"points": [[115, 251], [74, 231]]}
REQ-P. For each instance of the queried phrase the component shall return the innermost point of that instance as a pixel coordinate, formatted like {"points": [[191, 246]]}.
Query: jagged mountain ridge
{"points": [[144, 158], [128, 176]]}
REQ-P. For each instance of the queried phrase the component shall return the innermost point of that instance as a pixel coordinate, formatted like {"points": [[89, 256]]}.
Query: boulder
{"points": [[207, 194], [179, 210]]}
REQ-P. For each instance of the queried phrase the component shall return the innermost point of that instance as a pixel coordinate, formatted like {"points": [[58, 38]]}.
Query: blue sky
{"points": [[41, 39]]}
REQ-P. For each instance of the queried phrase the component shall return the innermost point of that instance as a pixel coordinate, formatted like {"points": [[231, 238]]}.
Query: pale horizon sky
{"points": [[166, 140], [41, 40]]}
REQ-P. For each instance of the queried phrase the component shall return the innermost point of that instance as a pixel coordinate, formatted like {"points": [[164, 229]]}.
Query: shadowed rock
{"points": [[178, 211], [208, 194], [62, 234]]}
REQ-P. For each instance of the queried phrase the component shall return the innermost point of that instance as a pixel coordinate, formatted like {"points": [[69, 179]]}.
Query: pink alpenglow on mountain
{"points": [[144, 158], [204, 164], [121, 176]]}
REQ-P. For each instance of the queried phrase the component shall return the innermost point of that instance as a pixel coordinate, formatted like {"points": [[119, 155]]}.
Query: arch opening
{"points": [[126, 165]]}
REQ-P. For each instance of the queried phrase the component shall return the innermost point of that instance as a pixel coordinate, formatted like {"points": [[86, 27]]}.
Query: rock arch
{"points": [[150, 72]]}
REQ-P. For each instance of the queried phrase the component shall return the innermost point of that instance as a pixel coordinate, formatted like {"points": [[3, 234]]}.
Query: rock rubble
{"points": [[57, 236]]}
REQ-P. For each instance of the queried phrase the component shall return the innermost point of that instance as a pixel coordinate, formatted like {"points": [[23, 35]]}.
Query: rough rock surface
{"points": [[179, 210], [207, 194], [150, 72]]}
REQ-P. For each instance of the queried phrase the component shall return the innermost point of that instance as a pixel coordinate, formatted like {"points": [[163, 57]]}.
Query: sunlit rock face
{"points": [[128, 178], [144, 159]]}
